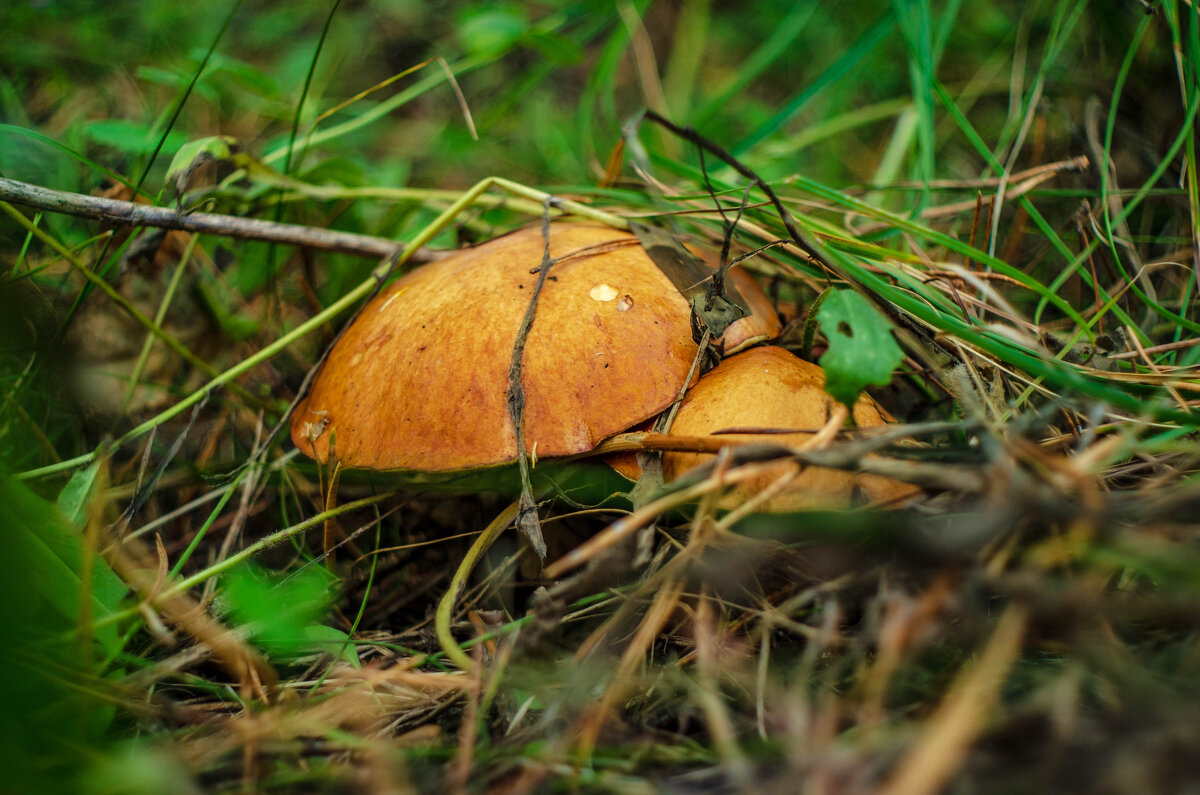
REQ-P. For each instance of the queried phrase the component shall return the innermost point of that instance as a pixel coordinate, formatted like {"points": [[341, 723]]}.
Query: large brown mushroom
{"points": [[419, 380], [769, 388]]}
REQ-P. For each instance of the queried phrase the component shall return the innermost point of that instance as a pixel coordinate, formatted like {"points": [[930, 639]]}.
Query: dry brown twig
{"points": [[134, 214]]}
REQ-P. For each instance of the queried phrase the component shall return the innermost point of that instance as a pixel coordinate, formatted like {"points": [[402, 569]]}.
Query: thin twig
{"points": [[133, 214], [527, 519]]}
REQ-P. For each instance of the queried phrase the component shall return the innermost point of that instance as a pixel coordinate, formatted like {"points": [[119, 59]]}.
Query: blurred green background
{"points": [[817, 88]]}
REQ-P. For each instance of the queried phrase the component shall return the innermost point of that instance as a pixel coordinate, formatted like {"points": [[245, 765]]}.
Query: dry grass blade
{"points": [[628, 525], [963, 714], [588, 727], [716, 714], [366, 704], [255, 676]]}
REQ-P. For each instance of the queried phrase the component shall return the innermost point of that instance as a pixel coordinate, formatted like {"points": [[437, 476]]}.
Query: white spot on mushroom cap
{"points": [[603, 292]]}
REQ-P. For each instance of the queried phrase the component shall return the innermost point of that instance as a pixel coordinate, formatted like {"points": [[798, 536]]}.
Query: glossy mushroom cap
{"points": [[419, 381], [768, 387]]}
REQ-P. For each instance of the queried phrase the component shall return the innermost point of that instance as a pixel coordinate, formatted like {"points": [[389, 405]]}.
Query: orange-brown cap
{"points": [[768, 387], [419, 380], [763, 321]]}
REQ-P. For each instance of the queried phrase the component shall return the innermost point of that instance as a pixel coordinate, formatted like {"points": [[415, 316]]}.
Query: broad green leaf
{"points": [[137, 767], [53, 546], [490, 31], [49, 721], [330, 640], [177, 80], [280, 614], [861, 348]]}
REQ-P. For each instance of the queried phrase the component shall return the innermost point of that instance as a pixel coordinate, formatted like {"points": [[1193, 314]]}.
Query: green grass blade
{"points": [[844, 65], [781, 40]]}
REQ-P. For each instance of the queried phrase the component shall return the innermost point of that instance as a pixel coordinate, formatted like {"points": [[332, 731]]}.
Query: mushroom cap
{"points": [[419, 380], [768, 387], [761, 324]]}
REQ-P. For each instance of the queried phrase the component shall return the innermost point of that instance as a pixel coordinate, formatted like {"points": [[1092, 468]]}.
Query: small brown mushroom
{"points": [[419, 380], [768, 387]]}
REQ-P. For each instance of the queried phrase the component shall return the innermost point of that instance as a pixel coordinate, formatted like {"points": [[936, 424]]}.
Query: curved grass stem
{"points": [[445, 609]]}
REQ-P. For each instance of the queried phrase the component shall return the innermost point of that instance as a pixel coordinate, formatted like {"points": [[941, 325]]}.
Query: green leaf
{"points": [[72, 500], [50, 718], [53, 546], [132, 137], [196, 152], [555, 46], [178, 81], [490, 31], [9, 149], [330, 640], [861, 348], [281, 614], [136, 767]]}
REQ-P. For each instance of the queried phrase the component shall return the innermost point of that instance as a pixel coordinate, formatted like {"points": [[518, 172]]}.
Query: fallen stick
{"points": [[132, 214]]}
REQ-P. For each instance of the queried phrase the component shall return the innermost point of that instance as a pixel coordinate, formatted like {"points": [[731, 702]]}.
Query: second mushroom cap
{"points": [[769, 388]]}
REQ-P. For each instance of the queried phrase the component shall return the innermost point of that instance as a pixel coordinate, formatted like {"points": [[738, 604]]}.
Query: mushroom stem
{"points": [[445, 609]]}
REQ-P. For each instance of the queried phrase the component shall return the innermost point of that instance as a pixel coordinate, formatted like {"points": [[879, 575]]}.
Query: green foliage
{"points": [[137, 768], [52, 550], [861, 348], [196, 154], [43, 719], [490, 30], [282, 614], [129, 137]]}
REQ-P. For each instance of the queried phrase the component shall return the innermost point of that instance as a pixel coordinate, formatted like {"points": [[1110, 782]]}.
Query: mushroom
{"points": [[418, 381], [768, 387]]}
